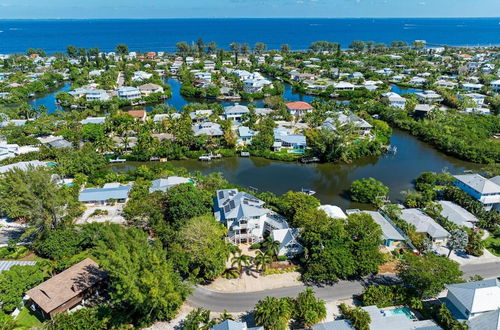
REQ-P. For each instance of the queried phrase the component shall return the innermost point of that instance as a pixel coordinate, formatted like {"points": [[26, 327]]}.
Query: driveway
{"points": [[241, 302]]}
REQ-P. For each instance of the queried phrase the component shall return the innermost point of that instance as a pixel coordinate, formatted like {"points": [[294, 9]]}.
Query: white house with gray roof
{"points": [[289, 241], [109, 192], [233, 325], [486, 191], [165, 184], [469, 300], [487, 320], [425, 224], [457, 214], [235, 112], [245, 216], [208, 128]]}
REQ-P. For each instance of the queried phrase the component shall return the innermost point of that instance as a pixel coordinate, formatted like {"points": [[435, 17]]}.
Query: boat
{"points": [[117, 160], [209, 157], [244, 154], [310, 160], [308, 191]]}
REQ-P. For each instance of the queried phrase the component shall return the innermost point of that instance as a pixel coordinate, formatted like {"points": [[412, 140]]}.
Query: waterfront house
{"points": [[67, 289], [284, 139], [148, 89], [342, 119], [141, 75], [165, 184], [333, 211], [469, 300], [289, 243], [477, 98], [425, 224], [246, 135], [245, 216], [472, 87], [165, 116], [13, 122], [299, 108], [395, 100], [478, 110], [486, 191], [457, 214], [417, 81], [235, 112], [343, 86], [422, 110], [129, 93], [446, 84], [110, 192], [97, 95], [23, 166], [428, 97], [208, 128]]}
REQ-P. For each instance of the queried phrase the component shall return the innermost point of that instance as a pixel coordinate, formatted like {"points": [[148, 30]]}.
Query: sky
{"points": [[32, 9]]}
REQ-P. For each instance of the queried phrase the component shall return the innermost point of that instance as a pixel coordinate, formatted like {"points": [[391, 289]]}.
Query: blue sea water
{"points": [[163, 34]]}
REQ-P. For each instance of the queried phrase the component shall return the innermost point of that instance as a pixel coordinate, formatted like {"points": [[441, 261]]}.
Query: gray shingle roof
{"points": [[424, 223]]}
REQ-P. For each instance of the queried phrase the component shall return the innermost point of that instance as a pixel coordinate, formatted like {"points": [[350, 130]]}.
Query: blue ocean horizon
{"points": [[16, 36]]}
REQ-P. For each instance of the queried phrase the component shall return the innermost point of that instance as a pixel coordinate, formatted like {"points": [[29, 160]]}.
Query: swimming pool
{"points": [[399, 311]]}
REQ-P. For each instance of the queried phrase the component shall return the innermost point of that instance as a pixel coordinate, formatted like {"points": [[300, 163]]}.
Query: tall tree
{"points": [[457, 241], [308, 309], [273, 313], [122, 49]]}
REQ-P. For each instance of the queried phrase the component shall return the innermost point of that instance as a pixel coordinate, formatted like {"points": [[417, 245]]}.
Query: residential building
{"points": [[343, 119], [284, 139], [486, 191], [67, 289], [333, 211], [110, 192], [23, 166], [289, 243], [245, 216], [417, 81], [472, 87], [428, 97], [343, 86], [233, 325], [391, 235], [486, 320], [93, 120], [395, 100], [138, 114], [200, 116], [141, 75], [148, 89], [209, 129], [495, 85], [246, 135], [165, 184], [469, 300], [97, 95], [5, 265], [425, 224], [129, 93], [457, 214], [299, 108], [235, 112]]}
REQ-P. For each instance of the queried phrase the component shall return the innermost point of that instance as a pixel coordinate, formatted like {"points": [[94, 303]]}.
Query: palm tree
{"points": [[273, 313], [262, 260], [239, 261], [272, 247], [225, 316]]}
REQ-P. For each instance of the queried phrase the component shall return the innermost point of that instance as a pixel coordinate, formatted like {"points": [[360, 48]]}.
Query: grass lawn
{"points": [[27, 319], [492, 243]]}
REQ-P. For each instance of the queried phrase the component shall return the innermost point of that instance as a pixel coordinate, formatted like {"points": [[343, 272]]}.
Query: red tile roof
{"points": [[299, 105]]}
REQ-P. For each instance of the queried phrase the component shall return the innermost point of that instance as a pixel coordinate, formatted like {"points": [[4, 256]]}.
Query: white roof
{"points": [[333, 211], [479, 296]]}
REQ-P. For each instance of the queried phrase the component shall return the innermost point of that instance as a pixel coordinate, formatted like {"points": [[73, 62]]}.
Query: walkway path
{"points": [[240, 302]]}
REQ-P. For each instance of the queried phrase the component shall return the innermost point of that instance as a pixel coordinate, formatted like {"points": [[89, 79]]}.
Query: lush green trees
{"points": [[83, 161], [261, 260], [384, 295], [368, 191], [58, 243], [121, 49], [15, 282], [142, 281], [185, 201], [85, 318], [308, 310], [239, 261], [32, 196], [200, 250], [427, 275], [360, 319], [293, 201], [446, 320], [198, 319], [273, 313]]}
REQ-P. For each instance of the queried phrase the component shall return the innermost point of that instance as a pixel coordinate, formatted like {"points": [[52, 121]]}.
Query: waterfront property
{"points": [[110, 192], [289, 241], [23, 166], [395, 100], [425, 224], [390, 235], [299, 108], [165, 184], [208, 129], [129, 93], [486, 191], [284, 139], [67, 289]]}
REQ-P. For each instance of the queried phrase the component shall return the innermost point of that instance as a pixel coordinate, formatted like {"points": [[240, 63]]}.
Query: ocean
{"points": [[16, 36]]}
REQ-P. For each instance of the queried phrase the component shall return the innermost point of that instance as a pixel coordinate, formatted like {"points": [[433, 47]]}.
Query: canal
{"points": [[331, 181]]}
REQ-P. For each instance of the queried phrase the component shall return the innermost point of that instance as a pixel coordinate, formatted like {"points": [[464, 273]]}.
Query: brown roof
{"points": [[137, 113], [66, 285], [299, 105]]}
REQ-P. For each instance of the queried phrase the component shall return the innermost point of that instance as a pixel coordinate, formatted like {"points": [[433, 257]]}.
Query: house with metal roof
{"points": [[245, 216], [289, 242], [425, 224], [333, 211], [487, 320], [486, 191], [166, 184], [285, 139], [390, 234], [469, 300], [246, 134], [8, 264], [235, 112], [23, 166], [200, 116], [457, 214], [209, 129], [108, 193], [233, 325], [93, 120]]}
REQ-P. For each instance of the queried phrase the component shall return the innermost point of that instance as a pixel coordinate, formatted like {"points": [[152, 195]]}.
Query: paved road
{"points": [[240, 302]]}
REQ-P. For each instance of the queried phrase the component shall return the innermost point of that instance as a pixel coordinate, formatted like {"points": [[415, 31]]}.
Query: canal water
{"points": [[331, 181], [404, 90], [49, 100]]}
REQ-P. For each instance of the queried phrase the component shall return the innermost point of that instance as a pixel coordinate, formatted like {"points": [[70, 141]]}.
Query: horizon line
{"points": [[284, 17]]}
